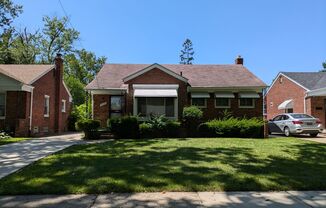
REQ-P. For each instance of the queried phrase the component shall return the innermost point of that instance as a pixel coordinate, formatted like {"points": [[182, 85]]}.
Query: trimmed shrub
{"points": [[159, 127], [89, 127], [192, 116], [146, 130], [126, 127], [233, 127]]}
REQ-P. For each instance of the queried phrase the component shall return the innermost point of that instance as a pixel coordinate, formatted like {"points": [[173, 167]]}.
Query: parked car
{"points": [[295, 123]]}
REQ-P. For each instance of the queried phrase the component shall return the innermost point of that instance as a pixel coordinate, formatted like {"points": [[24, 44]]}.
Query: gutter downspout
{"points": [[31, 113], [304, 103]]}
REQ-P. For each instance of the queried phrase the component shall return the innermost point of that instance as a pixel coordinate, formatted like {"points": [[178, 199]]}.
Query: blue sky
{"points": [[271, 35]]}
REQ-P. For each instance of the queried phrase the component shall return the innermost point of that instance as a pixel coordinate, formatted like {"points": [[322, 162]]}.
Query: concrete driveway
{"points": [[321, 138], [18, 155]]}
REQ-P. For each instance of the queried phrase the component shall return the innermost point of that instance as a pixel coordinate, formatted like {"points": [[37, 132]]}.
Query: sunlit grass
{"points": [[200, 164], [11, 140]]}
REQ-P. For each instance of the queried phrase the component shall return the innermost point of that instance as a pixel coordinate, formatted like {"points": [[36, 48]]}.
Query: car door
{"points": [[283, 122], [273, 125]]}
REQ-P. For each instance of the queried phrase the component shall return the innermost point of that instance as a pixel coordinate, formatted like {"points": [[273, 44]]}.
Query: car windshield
{"points": [[300, 116]]}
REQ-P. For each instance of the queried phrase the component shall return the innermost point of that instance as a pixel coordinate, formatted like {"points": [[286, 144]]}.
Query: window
{"points": [[46, 106], [222, 102], [199, 102], [2, 105], [246, 103], [155, 106], [63, 106], [289, 110], [278, 118]]}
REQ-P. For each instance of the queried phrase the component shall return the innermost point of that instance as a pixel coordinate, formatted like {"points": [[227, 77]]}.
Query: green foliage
{"points": [[192, 116], [324, 67], [159, 126], [78, 113], [126, 127], [57, 38], [76, 89], [8, 11], [232, 127], [89, 127], [4, 135], [187, 53]]}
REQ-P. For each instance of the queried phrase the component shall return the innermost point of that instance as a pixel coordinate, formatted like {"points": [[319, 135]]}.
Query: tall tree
{"points": [[324, 67], [6, 40], [8, 11], [57, 38], [81, 68], [187, 52], [25, 48]]}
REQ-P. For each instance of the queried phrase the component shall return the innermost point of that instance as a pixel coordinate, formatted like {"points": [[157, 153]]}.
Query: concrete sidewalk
{"points": [[17, 155], [284, 199]]}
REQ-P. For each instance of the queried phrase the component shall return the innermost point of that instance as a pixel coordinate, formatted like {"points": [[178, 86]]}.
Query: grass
{"points": [[11, 140], [201, 164]]}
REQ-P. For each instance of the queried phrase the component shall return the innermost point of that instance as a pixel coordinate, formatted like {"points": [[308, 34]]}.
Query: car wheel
{"points": [[287, 131], [314, 134]]}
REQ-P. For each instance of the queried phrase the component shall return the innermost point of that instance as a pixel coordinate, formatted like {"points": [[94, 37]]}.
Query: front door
{"points": [[116, 106]]}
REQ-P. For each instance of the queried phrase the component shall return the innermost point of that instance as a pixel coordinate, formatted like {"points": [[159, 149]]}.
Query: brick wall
{"points": [[101, 108], [156, 76], [46, 85], [316, 108], [284, 89], [210, 112]]}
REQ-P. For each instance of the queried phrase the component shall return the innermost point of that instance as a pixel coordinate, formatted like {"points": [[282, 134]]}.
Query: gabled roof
{"points": [[26, 74], [153, 66], [310, 80], [233, 75]]}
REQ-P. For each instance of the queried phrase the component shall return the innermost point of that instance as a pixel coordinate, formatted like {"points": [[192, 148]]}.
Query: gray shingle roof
{"points": [[231, 75], [310, 80]]}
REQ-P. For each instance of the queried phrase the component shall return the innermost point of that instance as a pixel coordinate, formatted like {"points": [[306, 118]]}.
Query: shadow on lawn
{"points": [[126, 166]]}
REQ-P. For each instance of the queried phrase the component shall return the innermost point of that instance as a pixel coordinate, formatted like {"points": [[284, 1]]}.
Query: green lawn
{"points": [[11, 140], [212, 164]]}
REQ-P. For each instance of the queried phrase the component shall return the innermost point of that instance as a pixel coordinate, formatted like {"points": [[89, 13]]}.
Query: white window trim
{"points": [[228, 106], [249, 106], [4, 117], [175, 117], [63, 107], [200, 106], [47, 97]]}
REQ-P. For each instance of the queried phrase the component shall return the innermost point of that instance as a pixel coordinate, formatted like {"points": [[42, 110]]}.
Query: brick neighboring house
{"points": [[34, 100], [298, 92], [143, 89]]}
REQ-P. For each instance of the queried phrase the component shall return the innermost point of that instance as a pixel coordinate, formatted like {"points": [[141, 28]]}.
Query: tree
{"points": [[25, 48], [324, 67], [187, 53], [81, 68], [8, 11], [57, 38], [6, 40]]}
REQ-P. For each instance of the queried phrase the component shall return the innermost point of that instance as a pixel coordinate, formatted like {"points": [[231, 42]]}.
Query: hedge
{"points": [[126, 127], [89, 127], [233, 127]]}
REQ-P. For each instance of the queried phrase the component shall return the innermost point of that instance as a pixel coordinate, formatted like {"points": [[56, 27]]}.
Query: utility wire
{"points": [[64, 11]]}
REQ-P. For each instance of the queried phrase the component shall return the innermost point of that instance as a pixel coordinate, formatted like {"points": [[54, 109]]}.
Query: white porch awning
{"points": [[248, 95], [155, 93], [286, 105], [224, 95], [200, 95]]}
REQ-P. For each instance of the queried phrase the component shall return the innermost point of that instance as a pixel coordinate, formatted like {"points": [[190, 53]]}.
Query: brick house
{"points": [[34, 100], [142, 89], [298, 92]]}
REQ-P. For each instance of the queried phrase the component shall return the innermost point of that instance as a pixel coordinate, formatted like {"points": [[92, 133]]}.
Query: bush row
{"points": [[232, 127]]}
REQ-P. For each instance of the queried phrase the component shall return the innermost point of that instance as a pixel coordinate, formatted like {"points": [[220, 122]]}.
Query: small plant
{"points": [[89, 127], [159, 126], [4, 135]]}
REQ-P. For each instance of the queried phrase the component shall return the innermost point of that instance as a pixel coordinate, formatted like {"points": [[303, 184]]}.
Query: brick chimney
{"points": [[239, 60], [58, 62]]}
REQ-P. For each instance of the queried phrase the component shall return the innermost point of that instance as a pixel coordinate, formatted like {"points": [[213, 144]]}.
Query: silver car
{"points": [[295, 123]]}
